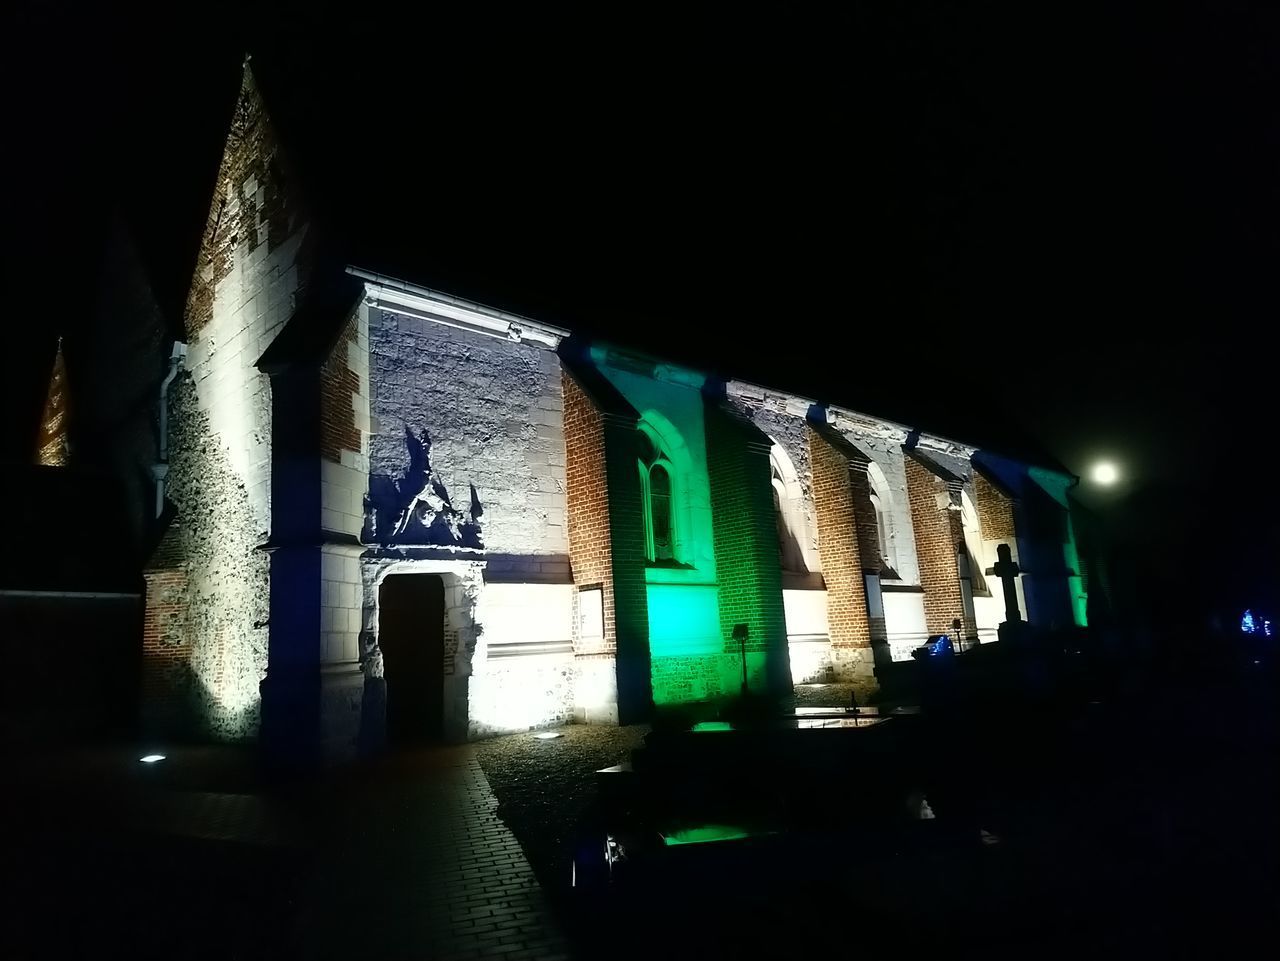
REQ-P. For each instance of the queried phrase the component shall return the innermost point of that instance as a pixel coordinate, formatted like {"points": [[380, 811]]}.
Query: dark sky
{"points": [[910, 209]]}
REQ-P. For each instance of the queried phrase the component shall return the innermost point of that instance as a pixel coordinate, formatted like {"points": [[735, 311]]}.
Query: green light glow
{"points": [[1056, 485], [705, 834], [712, 726], [683, 619]]}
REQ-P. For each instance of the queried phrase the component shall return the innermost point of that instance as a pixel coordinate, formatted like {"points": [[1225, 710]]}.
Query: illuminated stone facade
{"points": [[596, 533]]}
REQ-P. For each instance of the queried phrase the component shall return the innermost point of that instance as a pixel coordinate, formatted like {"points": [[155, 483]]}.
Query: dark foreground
{"points": [[1140, 824], [1143, 825]]}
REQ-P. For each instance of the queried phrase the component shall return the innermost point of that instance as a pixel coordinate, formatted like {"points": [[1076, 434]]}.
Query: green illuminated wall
{"points": [[686, 635], [746, 542], [1057, 485]]}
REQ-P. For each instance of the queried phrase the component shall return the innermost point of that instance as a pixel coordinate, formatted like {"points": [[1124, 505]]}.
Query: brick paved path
{"points": [[422, 867], [405, 858]]}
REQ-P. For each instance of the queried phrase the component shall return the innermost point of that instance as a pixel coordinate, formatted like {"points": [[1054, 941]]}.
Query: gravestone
{"points": [[1006, 568]]}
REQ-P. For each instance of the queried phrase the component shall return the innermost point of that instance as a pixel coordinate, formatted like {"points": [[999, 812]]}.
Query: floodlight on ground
{"points": [[151, 758]]}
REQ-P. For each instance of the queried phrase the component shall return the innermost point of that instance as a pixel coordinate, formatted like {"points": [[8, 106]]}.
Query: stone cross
{"points": [[1007, 570]]}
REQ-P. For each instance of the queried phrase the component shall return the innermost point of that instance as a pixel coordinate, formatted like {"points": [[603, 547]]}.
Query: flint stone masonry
{"points": [[252, 260], [226, 575], [494, 411]]}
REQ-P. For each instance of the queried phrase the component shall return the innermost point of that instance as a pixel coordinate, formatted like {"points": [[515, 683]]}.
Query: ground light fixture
{"points": [[548, 735], [151, 758]]}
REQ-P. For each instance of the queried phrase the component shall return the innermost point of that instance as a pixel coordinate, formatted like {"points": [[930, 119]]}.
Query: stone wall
{"points": [[492, 411], [253, 259], [220, 533]]}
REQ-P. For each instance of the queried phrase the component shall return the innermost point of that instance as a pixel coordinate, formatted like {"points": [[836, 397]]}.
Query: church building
{"points": [[390, 513]]}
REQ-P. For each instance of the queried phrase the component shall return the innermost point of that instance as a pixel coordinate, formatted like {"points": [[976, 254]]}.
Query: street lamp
{"points": [[1104, 473]]}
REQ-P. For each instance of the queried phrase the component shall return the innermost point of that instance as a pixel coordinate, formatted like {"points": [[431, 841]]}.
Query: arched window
{"points": [[973, 545], [886, 533], [882, 527], [661, 536], [661, 493], [788, 512]]}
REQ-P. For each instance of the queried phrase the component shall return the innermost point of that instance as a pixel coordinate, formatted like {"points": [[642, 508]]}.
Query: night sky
{"points": [[911, 210]]}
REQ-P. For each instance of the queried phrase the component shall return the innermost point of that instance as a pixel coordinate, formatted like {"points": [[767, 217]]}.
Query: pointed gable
{"points": [[51, 449], [255, 202]]}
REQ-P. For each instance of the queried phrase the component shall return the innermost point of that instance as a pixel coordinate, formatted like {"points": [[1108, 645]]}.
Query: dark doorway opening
{"points": [[411, 635]]}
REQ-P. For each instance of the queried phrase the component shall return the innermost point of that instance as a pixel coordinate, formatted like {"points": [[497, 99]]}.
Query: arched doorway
{"points": [[411, 637]]}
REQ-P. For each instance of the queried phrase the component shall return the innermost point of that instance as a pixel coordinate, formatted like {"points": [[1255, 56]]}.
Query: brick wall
{"points": [[339, 387], [746, 542], [605, 445], [631, 599], [937, 532], [165, 648], [847, 620], [251, 205], [590, 542], [864, 514], [51, 446], [783, 420], [995, 511]]}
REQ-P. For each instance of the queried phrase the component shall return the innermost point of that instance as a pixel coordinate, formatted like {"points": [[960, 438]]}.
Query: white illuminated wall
{"points": [[904, 622], [495, 424], [808, 640], [523, 671], [220, 470]]}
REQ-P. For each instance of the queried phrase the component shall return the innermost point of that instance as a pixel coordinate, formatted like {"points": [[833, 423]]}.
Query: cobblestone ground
{"points": [[544, 786]]}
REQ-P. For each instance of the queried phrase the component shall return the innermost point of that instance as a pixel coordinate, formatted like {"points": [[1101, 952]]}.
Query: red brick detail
{"points": [[938, 531], [51, 449], [838, 545], [166, 648], [590, 537], [864, 516], [249, 201], [339, 385], [995, 511]]}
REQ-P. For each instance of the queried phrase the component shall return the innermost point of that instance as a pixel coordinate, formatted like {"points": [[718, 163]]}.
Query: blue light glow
{"points": [[940, 645], [1247, 625]]}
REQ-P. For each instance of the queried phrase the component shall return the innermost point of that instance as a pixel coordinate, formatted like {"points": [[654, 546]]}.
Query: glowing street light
{"points": [[1105, 474]]}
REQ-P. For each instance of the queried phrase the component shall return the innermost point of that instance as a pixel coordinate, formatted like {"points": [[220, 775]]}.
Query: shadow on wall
{"points": [[415, 509], [178, 703]]}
